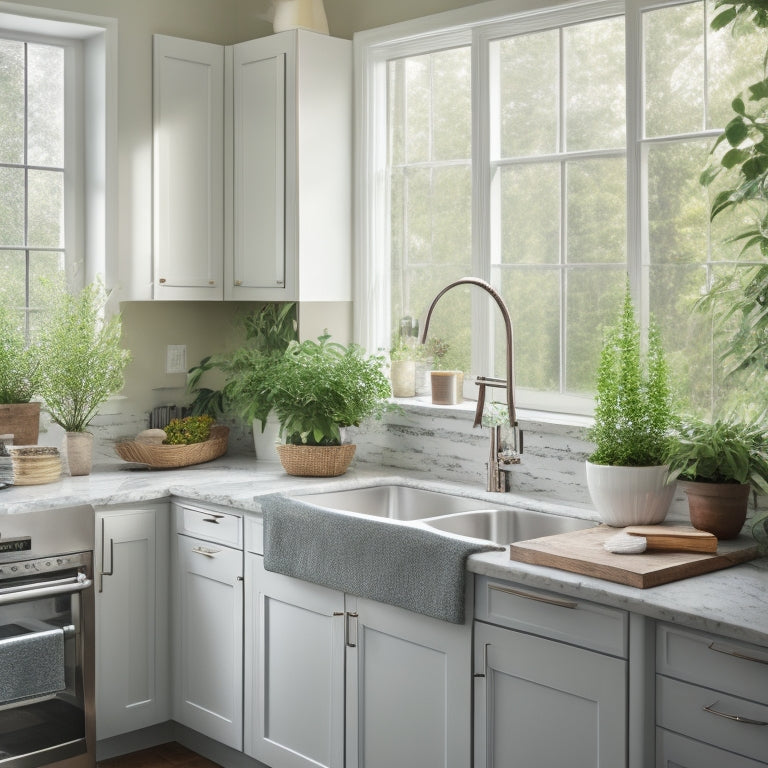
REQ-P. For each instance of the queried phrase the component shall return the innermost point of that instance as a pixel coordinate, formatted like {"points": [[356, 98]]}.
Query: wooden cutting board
{"points": [[582, 552]]}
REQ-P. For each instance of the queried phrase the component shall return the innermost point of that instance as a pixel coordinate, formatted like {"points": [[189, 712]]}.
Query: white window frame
{"points": [[479, 25], [90, 152]]}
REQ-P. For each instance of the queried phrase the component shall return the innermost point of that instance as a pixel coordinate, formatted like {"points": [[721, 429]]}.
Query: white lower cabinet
{"points": [[539, 701], [711, 701], [333, 680], [132, 667], [208, 628]]}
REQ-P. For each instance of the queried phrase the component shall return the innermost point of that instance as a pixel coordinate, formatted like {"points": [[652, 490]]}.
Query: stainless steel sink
{"points": [[397, 502], [504, 526]]}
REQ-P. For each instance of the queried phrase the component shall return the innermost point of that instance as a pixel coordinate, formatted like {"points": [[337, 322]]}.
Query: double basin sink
{"points": [[447, 513]]}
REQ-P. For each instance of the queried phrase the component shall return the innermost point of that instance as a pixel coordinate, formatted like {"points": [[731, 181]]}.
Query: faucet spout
{"points": [[482, 381]]}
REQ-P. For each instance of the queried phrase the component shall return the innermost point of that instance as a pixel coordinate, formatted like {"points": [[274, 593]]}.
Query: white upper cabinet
{"points": [[292, 169], [188, 169], [253, 169]]}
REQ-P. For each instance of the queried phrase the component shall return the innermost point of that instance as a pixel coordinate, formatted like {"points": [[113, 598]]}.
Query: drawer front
{"points": [[716, 662], [676, 751], [559, 617], [710, 716], [209, 524]]}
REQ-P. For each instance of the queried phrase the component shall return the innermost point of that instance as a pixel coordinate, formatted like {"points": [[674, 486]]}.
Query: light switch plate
{"points": [[176, 358]]}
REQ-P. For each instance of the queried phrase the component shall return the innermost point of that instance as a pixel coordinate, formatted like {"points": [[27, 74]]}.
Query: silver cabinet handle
{"points": [[485, 661], [539, 598], [207, 551], [103, 572], [736, 653], [214, 518], [736, 718], [348, 632]]}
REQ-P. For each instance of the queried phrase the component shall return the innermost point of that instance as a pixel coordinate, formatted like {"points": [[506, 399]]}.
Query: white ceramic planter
{"points": [[79, 451], [630, 495], [264, 442]]}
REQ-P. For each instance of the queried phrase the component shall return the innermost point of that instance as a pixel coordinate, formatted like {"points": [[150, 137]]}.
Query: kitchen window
{"points": [[553, 153], [57, 132]]}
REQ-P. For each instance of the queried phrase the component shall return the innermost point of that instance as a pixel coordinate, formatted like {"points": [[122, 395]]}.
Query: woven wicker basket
{"points": [[316, 460], [158, 456]]}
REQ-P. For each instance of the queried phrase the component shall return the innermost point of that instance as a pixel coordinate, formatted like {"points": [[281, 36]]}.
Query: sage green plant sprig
{"points": [[81, 358], [18, 364]]}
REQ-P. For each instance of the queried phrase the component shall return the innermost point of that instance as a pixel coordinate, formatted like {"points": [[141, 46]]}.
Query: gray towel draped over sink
{"points": [[405, 566]]}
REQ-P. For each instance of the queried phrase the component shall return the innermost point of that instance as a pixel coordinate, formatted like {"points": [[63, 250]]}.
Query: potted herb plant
{"points": [[317, 388], [81, 365], [268, 331], [19, 373], [720, 462], [626, 475]]}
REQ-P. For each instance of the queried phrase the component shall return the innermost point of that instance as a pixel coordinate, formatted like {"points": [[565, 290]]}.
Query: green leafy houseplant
{"points": [[81, 359], [318, 387], [738, 300], [18, 364], [721, 451], [633, 401]]}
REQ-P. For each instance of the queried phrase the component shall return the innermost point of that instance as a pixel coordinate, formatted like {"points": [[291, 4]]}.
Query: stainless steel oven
{"points": [[46, 639]]}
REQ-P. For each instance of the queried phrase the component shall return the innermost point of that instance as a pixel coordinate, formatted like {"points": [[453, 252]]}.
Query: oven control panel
{"points": [[15, 568]]}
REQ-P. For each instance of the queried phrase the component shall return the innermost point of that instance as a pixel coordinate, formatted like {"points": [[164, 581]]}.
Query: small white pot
{"points": [[630, 495], [79, 451], [264, 442]]}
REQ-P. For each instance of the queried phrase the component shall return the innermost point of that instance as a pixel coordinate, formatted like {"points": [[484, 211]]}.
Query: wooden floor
{"points": [[171, 755]]}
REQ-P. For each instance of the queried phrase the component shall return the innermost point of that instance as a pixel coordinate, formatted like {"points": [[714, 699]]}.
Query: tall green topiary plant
{"points": [[633, 401]]}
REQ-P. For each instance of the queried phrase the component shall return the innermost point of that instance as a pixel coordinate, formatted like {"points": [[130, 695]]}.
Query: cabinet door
{"points": [[259, 260], [294, 670], [545, 703], [676, 751], [188, 161], [208, 639], [132, 670], [409, 689]]}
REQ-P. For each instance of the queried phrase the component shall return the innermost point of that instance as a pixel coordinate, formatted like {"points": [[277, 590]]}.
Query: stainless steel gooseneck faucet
{"points": [[497, 477]]}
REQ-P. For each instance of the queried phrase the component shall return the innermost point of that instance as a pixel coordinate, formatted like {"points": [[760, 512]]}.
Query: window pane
{"points": [[47, 279], [528, 93], [597, 220], [11, 206], [46, 209], [13, 276], [678, 206], [595, 106], [592, 301], [46, 105], [674, 69], [530, 213], [11, 102], [533, 298], [452, 105]]}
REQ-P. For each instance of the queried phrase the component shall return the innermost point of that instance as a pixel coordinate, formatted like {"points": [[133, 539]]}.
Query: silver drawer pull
{"points": [[736, 718], [213, 518], [207, 551], [538, 598], [736, 653]]}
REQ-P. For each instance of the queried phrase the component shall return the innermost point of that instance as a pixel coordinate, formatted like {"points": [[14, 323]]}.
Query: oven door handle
{"points": [[32, 592]]}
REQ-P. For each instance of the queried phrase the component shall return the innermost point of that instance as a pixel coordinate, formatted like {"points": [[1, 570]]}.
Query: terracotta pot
{"points": [[22, 420], [79, 448], [718, 508], [630, 495]]}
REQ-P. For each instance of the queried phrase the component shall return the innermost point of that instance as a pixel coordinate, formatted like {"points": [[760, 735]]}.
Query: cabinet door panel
{"points": [[676, 751], [259, 125], [408, 689], [294, 671], [132, 680], [189, 169], [544, 703], [208, 639]]}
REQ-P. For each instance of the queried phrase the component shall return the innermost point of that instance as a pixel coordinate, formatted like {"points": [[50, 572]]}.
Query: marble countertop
{"points": [[732, 602]]}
